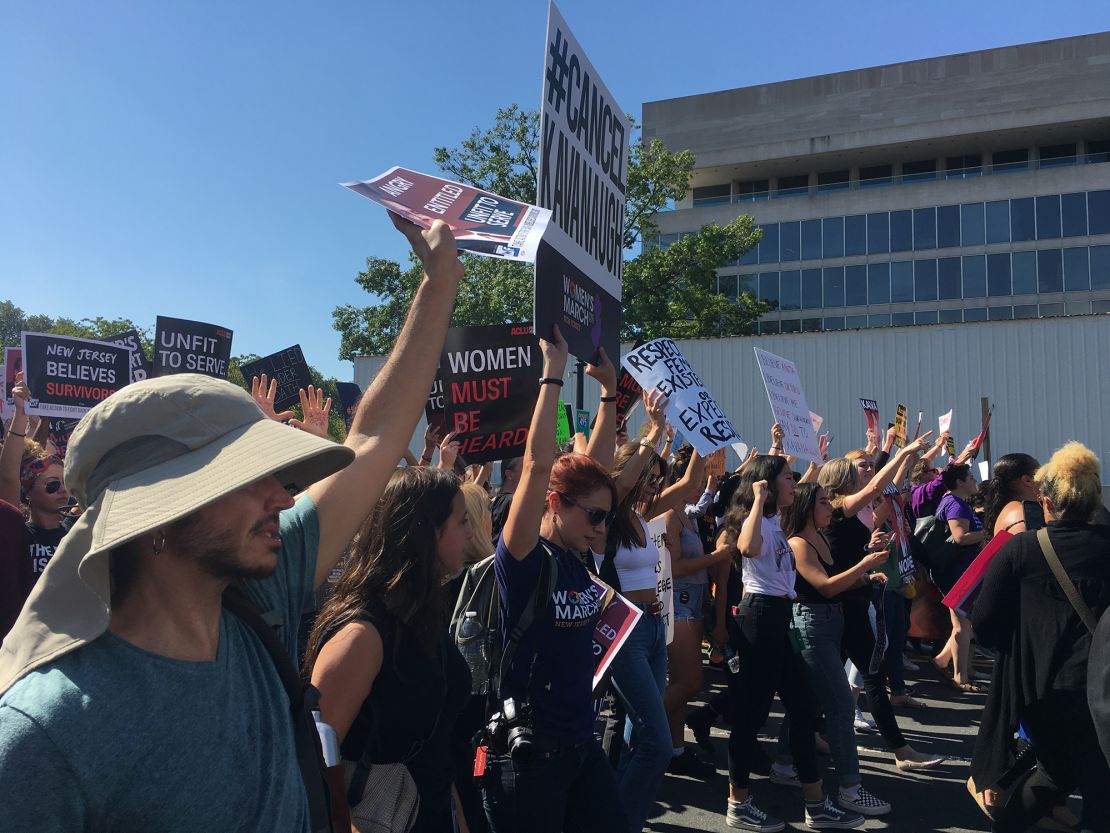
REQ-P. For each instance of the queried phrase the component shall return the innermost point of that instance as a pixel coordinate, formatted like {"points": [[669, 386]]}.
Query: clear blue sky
{"points": [[182, 158]]}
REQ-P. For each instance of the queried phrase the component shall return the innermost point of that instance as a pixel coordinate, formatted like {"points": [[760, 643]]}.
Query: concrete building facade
{"points": [[963, 188]]}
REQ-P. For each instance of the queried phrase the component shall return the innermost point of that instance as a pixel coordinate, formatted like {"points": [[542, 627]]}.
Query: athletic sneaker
{"points": [[746, 816], [691, 765], [860, 800], [700, 721], [785, 775], [863, 724], [825, 815]]}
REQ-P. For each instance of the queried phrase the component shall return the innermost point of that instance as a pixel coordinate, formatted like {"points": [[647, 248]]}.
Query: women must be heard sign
{"points": [[788, 404]]}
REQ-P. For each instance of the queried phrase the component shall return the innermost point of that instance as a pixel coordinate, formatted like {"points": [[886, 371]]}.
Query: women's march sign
{"points": [[67, 376], [788, 404], [690, 407], [182, 346]]}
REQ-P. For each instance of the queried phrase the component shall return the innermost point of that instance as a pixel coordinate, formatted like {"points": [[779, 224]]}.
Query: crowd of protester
{"points": [[216, 621]]}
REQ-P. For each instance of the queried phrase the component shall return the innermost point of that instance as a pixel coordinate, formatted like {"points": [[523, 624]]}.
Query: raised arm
{"points": [[654, 404], [603, 439], [390, 409], [750, 542], [936, 448], [522, 527], [11, 456], [866, 496], [674, 496]]}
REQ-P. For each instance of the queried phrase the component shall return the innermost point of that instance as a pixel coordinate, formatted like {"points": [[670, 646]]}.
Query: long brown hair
{"points": [[394, 561], [626, 528], [764, 467]]}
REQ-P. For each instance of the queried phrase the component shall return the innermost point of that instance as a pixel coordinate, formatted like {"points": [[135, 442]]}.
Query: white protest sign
{"points": [[984, 471], [816, 420], [690, 407], [664, 580], [788, 404], [741, 450], [945, 422]]}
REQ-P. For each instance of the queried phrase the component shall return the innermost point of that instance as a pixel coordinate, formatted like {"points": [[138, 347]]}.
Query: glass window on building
{"points": [[790, 289], [836, 322], [832, 236], [901, 231], [1025, 311], [811, 325], [960, 167], [921, 171], [998, 275], [790, 246], [855, 235], [948, 226], [878, 283], [1098, 211], [855, 286], [1025, 273], [726, 285], [855, 322], [1077, 274], [876, 176], [1048, 310], [1100, 307], [926, 317], [924, 228], [901, 281], [1050, 271], [901, 319], [925, 280], [832, 181], [880, 320], [712, 195], [975, 276], [769, 288], [1100, 267], [1077, 308], [792, 186], [752, 190], [834, 286], [951, 316], [768, 328], [948, 278], [1000, 313], [791, 325], [811, 239], [1023, 223], [1073, 207], [972, 229], [811, 289], [878, 233], [1057, 156], [751, 256], [975, 314], [769, 244], [998, 221], [1009, 160], [1098, 150], [1048, 217]]}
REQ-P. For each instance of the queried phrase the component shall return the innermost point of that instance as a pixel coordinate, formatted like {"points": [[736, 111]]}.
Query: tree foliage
{"points": [[665, 292]]}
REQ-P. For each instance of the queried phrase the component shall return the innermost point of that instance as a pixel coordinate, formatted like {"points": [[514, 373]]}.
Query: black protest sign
{"points": [[290, 370], [140, 365], [433, 408], [182, 346], [490, 384], [67, 376], [584, 136], [349, 395]]}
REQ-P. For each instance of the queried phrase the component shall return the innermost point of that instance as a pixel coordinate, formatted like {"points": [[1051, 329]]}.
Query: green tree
{"points": [[665, 292]]}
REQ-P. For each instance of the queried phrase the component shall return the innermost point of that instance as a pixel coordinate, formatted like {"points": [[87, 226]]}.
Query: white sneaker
{"points": [[863, 724], [862, 802], [746, 816], [785, 775], [827, 816]]}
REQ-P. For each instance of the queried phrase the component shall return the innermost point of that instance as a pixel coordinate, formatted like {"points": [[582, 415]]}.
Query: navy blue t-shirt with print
{"points": [[557, 650]]}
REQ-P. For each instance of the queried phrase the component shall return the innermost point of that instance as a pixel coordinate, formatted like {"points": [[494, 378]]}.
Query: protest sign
{"points": [[628, 394], [13, 364], [816, 420], [788, 404], [434, 407], [616, 623], [349, 394], [58, 432], [562, 424], [871, 411], [945, 422], [984, 471], [290, 370], [900, 428], [950, 447], [715, 464], [483, 223], [140, 365], [961, 598], [582, 422], [977, 443], [584, 140], [67, 375], [3, 393], [182, 346], [664, 581], [741, 450], [659, 364], [904, 566], [490, 376], [917, 430]]}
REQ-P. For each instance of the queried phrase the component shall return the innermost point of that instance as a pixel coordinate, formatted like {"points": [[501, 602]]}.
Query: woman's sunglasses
{"points": [[52, 487], [594, 516]]}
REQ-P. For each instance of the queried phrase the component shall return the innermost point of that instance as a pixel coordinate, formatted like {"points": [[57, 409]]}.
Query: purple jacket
{"points": [[925, 497]]}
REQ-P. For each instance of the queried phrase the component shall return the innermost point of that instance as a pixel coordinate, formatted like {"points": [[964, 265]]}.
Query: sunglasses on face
{"points": [[52, 487], [595, 516]]}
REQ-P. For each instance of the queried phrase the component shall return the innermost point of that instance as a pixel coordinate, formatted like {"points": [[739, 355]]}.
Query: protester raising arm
{"points": [[603, 439], [431, 443], [852, 504], [264, 391], [315, 411], [11, 455], [654, 404], [389, 410]]}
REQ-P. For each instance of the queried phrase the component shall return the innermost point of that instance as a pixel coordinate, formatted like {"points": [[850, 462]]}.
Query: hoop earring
{"points": [[159, 543]]}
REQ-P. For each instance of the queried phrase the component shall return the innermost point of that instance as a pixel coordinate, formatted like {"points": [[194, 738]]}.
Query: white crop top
{"points": [[635, 565]]}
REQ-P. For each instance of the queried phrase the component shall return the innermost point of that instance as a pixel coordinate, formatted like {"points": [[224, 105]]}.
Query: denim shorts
{"points": [[689, 602]]}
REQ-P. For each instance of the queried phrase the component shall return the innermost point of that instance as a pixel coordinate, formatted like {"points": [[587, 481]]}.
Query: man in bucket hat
{"points": [[129, 698]]}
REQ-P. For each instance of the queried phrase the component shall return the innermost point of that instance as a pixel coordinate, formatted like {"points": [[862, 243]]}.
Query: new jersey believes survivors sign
{"points": [[67, 376]]}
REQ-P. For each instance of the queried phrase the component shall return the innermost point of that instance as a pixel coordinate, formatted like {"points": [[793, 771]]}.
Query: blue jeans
{"points": [[639, 677], [571, 789], [822, 630], [894, 614]]}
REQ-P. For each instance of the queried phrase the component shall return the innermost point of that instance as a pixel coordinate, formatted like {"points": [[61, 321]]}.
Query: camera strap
{"points": [[549, 572]]}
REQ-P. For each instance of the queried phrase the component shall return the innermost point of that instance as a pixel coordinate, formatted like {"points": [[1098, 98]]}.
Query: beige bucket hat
{"points": [[152, 453]]}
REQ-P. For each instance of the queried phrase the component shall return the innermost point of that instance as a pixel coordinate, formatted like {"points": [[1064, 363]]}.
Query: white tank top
{"points": [[635, 565]]}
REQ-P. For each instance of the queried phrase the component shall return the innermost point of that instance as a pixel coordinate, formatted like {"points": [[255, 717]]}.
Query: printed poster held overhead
{"points": [[788, 404], [140, 365], [483, 223], [182, 346], [691, 409], [290, 370], [583, 175], [67, 376]]}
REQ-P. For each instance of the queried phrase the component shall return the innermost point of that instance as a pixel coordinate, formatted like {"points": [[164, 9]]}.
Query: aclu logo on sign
{"points": [[507, 251], [490, 215]]}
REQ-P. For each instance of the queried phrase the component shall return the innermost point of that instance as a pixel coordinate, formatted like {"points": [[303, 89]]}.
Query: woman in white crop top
{"points": [[639, 672]]}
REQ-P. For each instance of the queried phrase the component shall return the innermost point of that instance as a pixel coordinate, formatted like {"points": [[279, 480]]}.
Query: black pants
{"points": [[768, 663], [1068, 756], [859, 642]]}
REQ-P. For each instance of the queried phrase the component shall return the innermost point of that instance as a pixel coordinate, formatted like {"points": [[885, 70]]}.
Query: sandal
{"points": [[968, 688], [907, 702]]}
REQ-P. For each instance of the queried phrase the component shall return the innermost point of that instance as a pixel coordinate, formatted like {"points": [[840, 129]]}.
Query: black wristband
{"points": [[551, 380], [608, 399], [16, 434]]}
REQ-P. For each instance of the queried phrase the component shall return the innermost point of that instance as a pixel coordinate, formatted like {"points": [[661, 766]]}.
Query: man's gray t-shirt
{"points": [[113, 738]]}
